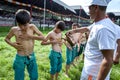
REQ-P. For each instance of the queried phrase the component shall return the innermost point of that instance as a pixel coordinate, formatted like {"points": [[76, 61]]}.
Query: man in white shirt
{"points": [[101, 43]]}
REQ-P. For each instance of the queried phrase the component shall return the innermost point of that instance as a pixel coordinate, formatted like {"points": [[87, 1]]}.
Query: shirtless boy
{"points": [[24, 44], [54, 38], [77, 38], [71, 51]]}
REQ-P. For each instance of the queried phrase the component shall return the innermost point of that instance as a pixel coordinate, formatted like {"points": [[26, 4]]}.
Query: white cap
{"points": [[99, 2]]}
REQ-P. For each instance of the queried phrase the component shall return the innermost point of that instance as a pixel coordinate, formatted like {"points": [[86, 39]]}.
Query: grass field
{"points": [[7, 54]]}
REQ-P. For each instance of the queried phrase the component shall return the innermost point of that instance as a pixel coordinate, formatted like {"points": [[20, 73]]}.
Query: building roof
{"points": [[80, 11], [53, 5], [64, 5]]}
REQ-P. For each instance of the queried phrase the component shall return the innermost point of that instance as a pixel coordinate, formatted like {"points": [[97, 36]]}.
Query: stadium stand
{"points": [[66, 13]]}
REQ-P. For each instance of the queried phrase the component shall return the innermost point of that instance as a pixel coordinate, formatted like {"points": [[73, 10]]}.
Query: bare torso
{"points": [[55, 36], [28, 44], [76, 37]]}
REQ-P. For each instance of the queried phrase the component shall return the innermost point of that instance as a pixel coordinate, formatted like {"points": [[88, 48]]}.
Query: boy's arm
{"points": [[117, 56], [67, 44], [13, 44], [9, 36], [47, 41], [39, 33]]}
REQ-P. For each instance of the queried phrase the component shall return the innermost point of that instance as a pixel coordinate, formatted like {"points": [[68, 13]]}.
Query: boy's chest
{"points": [[23, 33]]}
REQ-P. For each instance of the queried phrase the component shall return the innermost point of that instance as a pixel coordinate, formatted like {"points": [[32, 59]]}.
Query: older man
{"points": [[101, 43]]}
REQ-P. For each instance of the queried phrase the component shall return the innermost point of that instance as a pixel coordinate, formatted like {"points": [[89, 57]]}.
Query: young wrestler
{"points": [[24, 44], [83, 45], [54, 38], [76, 37], [71, 51]]}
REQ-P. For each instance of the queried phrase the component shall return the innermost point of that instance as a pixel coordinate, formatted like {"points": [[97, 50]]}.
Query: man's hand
{"points": [[18, 46]]}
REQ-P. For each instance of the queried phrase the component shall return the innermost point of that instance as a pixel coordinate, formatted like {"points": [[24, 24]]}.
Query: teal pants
{"points": [[73, 53], [21, 62], [68, 56], [82, 48], [76, 51], [55, 62]]}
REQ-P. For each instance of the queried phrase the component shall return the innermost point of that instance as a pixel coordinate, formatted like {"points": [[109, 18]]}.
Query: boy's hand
{"points": [[43, 38], [116, 61], [18, 46], [64, 39], [69, 47]]}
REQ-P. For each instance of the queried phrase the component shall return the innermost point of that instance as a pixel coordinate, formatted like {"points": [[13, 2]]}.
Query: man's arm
{"points": [[78, 30], [117, 56], [106, 64], [36, 31], [106, 43]]}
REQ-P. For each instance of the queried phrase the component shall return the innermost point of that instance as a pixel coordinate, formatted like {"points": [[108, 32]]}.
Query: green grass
{"points": [[7, 54]]}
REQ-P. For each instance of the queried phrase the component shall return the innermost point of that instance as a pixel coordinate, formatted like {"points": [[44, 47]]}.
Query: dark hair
{"points": [[22, 16], [111, 15], [60, 25], [76, 24], [103, 8]]}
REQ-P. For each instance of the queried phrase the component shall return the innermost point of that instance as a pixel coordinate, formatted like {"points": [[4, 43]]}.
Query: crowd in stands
{"points": [[8, 10]]}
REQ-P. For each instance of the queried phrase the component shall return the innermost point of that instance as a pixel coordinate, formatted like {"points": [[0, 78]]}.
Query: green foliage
{"points": [[4, 29], [7, 54]]}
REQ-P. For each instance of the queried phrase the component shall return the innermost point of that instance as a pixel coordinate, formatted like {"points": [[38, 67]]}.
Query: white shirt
{"points": [[102, 36]]}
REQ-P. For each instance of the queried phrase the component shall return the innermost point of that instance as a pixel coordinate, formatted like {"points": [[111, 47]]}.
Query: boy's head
{"points": [[111, 16], [59, 26], [75, 25], [22, 17]]}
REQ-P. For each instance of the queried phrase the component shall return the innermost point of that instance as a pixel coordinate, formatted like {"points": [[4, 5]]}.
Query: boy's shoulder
{"points": [[14, 28], [51, 32], [32, 25]]}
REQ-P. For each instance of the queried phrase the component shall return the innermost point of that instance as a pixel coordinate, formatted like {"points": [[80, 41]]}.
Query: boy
{"points": [[71, 51], [68, 56], [54, 38], [77, 38], [24, 44]]}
